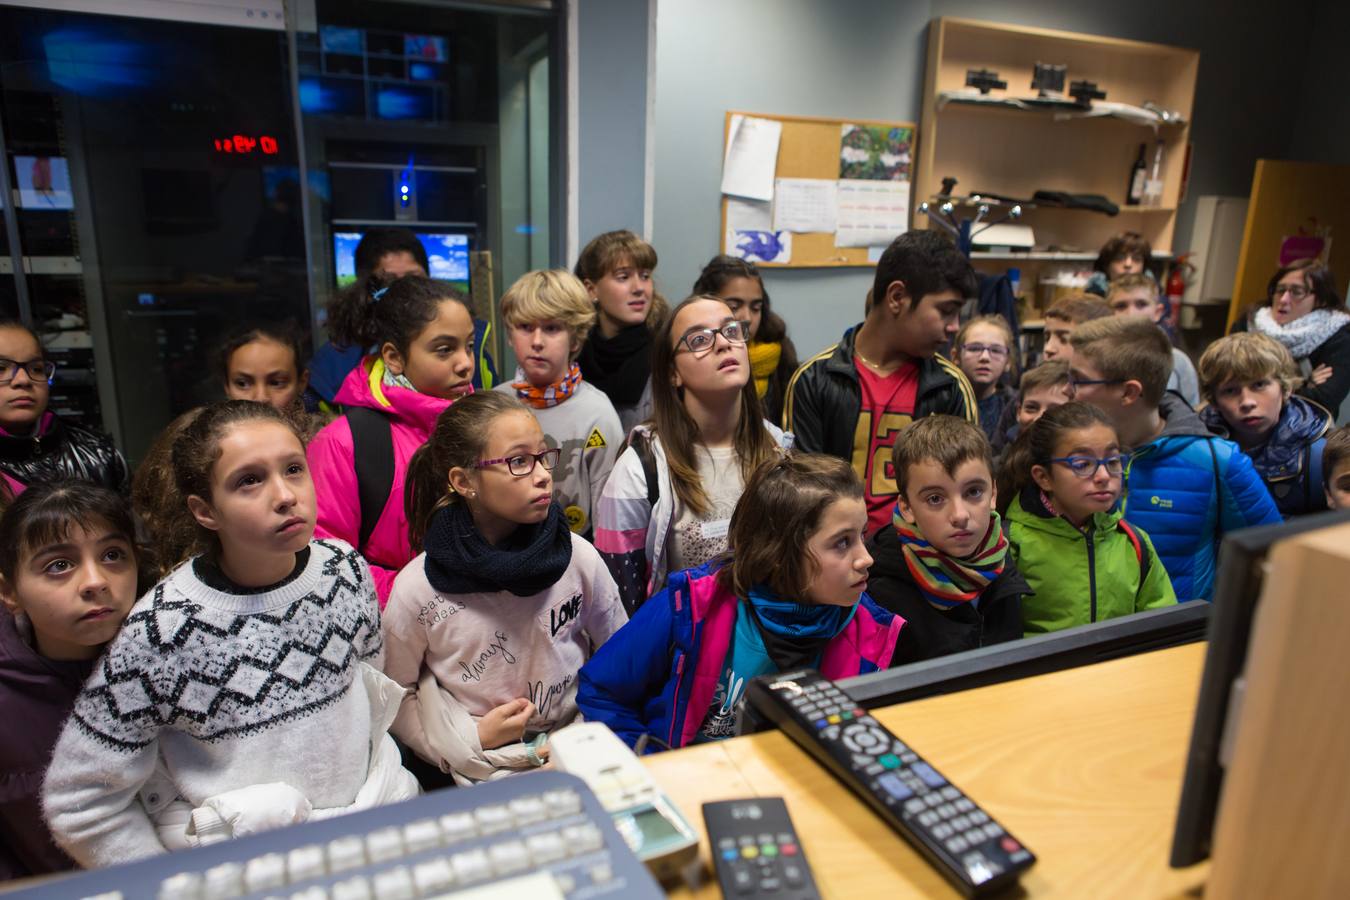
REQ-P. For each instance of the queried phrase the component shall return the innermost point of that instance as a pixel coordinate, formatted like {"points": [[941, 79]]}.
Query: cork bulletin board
{"points": [[810, 147]]}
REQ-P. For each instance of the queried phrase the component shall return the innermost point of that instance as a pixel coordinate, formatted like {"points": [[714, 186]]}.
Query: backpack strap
{"points": [[647, 456], [373, 454], [1137, 542]]}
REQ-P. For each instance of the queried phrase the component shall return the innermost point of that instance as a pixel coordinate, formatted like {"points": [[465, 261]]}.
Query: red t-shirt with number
{"points": [[887, 409]]}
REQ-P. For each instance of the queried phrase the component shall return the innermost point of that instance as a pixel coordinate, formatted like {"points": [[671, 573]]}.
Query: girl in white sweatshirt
{"points": [[243, 691], [489, 625]]}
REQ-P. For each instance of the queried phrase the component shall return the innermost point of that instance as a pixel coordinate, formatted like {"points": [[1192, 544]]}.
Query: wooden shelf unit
{"points": [[1017, 152]]}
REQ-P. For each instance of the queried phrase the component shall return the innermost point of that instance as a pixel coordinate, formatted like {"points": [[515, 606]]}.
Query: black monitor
{"points": [[1237, 591], [1081, 646]]}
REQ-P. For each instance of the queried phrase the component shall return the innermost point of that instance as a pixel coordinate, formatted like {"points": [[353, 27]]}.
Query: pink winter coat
{"points": [[412, 419]]}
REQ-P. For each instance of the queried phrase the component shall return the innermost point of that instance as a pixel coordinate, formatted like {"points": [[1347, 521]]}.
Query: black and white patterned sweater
{"points": [[229, 690]]}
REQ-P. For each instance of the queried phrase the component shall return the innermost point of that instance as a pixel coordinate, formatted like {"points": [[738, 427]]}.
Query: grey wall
{"points": [[865, 58], [612, 52]]}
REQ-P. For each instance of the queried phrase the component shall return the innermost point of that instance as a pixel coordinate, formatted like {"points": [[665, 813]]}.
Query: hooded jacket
{"points": [[1187, 488], [331, 460], [1082, 575], [824, 397], [659, 673], [930, 632], [59, 450], [39, 693], [1290, 461]]}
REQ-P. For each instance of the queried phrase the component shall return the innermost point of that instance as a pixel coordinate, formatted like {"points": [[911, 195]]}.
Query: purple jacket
{"points": [[36, 695], [659, 673]]}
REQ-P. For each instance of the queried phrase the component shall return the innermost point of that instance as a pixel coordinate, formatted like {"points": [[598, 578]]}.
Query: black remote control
{"points": [[756, 851], [968, 847]]}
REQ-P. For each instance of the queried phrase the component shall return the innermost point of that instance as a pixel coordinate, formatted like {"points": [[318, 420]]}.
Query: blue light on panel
{"points": [[86, 62], [393, 102]]}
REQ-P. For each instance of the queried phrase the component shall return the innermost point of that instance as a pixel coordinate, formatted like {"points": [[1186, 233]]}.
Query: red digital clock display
{"points": [[247, 145]]}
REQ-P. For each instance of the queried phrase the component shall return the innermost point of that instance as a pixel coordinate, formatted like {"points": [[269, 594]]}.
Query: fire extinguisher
{"points": [[1176, 287]]}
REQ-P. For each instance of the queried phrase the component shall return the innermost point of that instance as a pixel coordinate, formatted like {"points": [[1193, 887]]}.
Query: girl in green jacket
{"points": [[1083, 561]]}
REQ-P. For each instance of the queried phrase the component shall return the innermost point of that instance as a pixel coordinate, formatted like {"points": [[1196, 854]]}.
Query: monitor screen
{"points": [[43, 182], [1237, 591], [447, 255]]}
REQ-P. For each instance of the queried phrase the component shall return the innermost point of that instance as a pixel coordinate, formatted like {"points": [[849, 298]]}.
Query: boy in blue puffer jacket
{"points": [[1248, 380], [1185, 486]]}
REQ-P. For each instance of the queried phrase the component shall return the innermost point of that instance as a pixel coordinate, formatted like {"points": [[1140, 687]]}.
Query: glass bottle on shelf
{"points": [[1134, 188]]}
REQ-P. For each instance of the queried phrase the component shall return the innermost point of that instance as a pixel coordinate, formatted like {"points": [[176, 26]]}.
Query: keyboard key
{"points": [[549, 847], [183, 886], [384, 844], [471, 866], [352, 889], [509, 857], [601, 873], [433, 876], [346, 853], [459, 826], [421, 835], [304, 863], [394, 884], [894, 786], [929, 775], [493, 819], [793, 875], [263, 872], [965, 804], [946, 810], [960, 823], [223, 881], [562, 803], [957, 844], [979, 816], [975, 836], [928, 818], [915, 806], [992, 829], [942, 831], [951, 793], [317, 892], [583, 838], [528, 810]]}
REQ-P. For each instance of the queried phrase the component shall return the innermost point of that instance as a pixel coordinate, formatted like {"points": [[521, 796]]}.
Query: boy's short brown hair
{"points": [[1131, 282], [1245, 357], [1050, 373], [1078, 308], [1336, 451], [550, 295], [948, 441], [1127, 349]]}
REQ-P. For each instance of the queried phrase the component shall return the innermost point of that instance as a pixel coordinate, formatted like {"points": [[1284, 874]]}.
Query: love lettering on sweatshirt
{"points": [[496, 648], [563, 613]]}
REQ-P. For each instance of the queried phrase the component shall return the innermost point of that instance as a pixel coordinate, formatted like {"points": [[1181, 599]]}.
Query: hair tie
{"points": [[376, 295]]}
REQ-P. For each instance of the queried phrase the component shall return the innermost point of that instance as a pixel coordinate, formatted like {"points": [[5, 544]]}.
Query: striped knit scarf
{"points": [[549, 394], [947, 582]]}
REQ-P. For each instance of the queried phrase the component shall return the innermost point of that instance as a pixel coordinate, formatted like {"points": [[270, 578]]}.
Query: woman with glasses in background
{"points": [[1304, 311], [667, 505], [35, 445]]}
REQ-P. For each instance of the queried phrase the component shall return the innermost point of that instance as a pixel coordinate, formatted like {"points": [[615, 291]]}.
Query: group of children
{"points": [[444, 574]]}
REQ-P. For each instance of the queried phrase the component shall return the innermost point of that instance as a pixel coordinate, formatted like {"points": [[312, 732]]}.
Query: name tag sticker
{"points": [[717, 529]]}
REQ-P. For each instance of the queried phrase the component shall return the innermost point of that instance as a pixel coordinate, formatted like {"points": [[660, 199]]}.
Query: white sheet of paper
{"points": [[762, 246], [804, 204], [874, 254], [871, 213], [746, 215], [751, 158]]}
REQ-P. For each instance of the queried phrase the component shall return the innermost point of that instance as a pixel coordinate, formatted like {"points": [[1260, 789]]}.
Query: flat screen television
{"points": [[1237, 592], [447, 254]]}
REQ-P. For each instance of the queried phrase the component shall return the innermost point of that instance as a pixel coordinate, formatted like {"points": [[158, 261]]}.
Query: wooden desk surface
{"points": [[1084, 766]]}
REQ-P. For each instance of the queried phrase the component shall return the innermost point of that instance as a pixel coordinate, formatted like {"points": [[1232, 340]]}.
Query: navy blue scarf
{"points": [[460, 561]]}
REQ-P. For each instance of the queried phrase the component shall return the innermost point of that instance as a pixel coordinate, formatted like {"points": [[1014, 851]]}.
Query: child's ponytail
{"points": [[1035, 445], [456, 442]]}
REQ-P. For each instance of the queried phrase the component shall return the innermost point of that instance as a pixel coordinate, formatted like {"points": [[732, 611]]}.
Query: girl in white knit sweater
{"points": [[243, 692], [488, 627]]}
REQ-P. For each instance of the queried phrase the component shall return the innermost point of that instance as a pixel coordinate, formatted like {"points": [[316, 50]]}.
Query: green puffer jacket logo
{"points": [[1076, 580]]}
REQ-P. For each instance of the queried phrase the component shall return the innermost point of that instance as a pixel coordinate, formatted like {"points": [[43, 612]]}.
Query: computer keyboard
{"points": [[541, 835]]}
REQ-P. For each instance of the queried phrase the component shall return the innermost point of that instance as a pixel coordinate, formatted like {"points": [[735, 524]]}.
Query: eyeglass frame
{"points": [[47, 373], [1290, 289], [1073, 384], [994, 350], [714, 332], [1101, 463], [536, 459]]}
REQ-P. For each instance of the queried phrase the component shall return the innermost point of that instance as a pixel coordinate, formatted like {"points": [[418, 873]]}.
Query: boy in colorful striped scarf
{"points": [[548, 315], [944, 564]]}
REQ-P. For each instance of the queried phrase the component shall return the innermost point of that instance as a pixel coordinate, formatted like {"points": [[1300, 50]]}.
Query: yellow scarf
{"points": [[763, 362]]}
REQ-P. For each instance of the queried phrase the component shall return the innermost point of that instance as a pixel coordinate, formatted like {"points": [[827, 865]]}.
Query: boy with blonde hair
{"points": [[1248, 381], [1184, 486], [1136, 294], [548, 315]]}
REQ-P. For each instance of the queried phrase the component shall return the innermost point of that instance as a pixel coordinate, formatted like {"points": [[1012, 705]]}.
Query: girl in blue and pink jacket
{"points": [[790, 591]]}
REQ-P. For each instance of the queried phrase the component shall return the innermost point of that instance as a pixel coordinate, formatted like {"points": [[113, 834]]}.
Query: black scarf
{"points": [[460, 561], [619, 366]]}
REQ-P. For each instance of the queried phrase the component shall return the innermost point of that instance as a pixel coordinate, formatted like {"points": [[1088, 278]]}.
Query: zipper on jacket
{"points": [[1092, 577], [675, 701]]}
